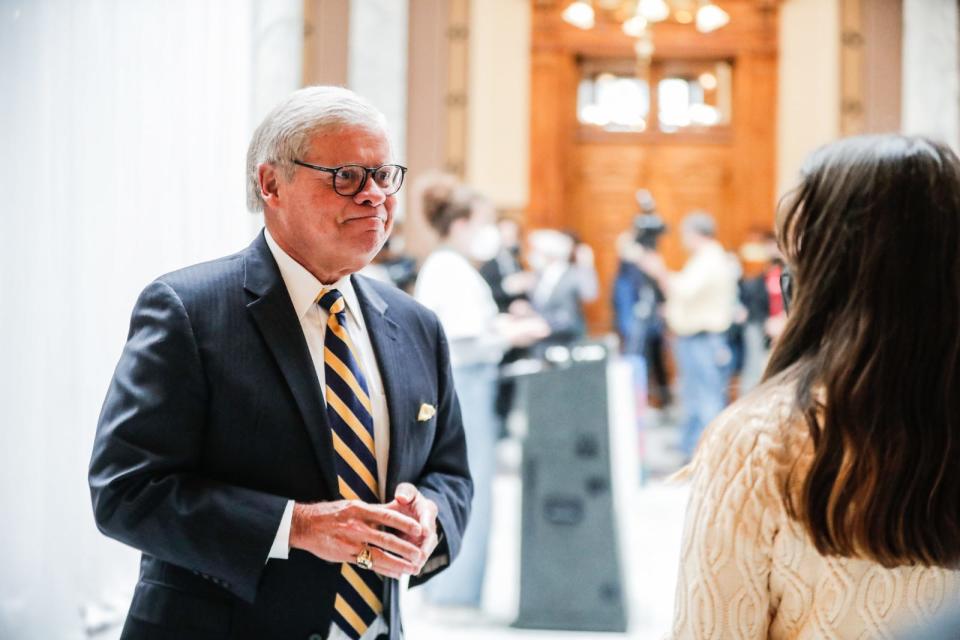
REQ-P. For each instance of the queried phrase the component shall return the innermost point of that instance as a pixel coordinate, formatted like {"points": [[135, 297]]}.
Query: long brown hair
{"points": [[872, 238]]}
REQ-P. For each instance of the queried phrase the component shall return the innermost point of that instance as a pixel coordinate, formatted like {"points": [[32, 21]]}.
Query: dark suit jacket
{"points": [[495, 270], [215, 418]]}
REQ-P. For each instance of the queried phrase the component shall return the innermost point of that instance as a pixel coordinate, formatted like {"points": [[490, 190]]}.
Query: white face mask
{"points": [[485, 243]]}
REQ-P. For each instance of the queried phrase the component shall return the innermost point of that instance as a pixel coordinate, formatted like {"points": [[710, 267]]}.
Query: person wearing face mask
{"points": [[450, 285]]}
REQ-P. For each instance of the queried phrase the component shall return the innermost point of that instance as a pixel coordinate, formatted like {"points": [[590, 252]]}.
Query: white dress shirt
{"points": [[304, 289]]}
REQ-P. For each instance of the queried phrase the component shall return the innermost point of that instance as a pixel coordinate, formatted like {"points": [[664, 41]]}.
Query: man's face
{"points": [[330, 234]]}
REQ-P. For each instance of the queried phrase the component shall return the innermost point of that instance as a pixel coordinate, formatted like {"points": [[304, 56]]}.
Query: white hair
{"points": [[284, 134]]}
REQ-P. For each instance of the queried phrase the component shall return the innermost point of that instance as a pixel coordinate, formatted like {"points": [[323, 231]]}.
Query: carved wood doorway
{"points": [[586, 164]]}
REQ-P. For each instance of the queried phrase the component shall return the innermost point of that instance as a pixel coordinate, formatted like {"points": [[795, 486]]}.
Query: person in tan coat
{"points": [[826, 503]]}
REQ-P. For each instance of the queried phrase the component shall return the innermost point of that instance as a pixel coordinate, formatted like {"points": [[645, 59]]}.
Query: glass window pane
{"points": [[613, 102], [674, 96], [694, 95]]}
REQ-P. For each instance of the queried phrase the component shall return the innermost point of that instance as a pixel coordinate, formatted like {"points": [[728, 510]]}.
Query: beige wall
{"points": [[498, 135], [809, 109]]}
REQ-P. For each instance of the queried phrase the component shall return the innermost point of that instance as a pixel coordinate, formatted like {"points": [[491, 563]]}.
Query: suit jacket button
{"points": [[315, 636]]}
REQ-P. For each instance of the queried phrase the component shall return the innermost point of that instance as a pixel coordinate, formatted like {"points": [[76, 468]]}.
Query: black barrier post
{"points": [[570, 569]]}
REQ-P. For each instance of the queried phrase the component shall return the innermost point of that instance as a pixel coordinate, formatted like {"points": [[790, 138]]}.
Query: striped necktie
{"points": [[358, 601]]}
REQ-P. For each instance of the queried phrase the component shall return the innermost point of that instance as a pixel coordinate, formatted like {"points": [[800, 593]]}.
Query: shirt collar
{"points": [[303, 286]]}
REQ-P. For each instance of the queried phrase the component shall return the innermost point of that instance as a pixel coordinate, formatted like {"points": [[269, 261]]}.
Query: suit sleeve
{"points": [[145, 480], [446, 478]]}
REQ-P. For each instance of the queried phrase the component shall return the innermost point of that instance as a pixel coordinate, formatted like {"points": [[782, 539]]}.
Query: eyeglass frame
{"points": [[367, 172]]}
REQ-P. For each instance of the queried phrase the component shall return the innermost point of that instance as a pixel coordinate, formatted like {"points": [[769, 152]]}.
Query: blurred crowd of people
{"points": [[723, 310], [498, 301], [696, 338], [711, 327]]}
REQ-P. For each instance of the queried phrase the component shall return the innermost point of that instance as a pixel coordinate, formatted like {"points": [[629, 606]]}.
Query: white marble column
{"points": [[377, 67], [124, 129], [931, 69]]}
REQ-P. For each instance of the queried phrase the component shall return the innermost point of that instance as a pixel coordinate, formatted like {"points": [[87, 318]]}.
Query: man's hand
{"points": [[338, 531], [409, 501]]}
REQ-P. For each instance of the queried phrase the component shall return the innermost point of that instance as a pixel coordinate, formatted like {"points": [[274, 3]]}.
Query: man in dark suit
{"points": [[281, 439]]}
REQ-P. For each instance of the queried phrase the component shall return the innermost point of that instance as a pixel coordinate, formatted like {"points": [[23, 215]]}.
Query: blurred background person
{"points": [[638, 299], [450, 285], [510, 285], [700, 305], [504, 272], [761, 304], [827, 503], [638, 315], [565, 279], [634, 305]]}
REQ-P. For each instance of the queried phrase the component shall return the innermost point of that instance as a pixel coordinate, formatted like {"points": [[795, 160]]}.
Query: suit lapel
{"points": [[387, 346], [274, 315]]}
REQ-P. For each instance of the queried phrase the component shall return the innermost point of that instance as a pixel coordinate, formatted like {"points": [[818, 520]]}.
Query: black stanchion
{"points": [[570, 570]]}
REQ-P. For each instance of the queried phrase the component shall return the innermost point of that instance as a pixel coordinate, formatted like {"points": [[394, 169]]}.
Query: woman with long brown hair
{"points": [[826, 504]]}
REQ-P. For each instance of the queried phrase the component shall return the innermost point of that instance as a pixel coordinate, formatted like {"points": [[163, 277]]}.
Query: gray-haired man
{"points": [[281, 438]]}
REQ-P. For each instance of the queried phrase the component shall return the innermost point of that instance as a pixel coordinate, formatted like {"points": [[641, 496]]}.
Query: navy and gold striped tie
{"points": [[358, 601]]}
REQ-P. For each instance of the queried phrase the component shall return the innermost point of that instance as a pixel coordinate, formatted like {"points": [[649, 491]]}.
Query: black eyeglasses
{"points": [[349, 179]]}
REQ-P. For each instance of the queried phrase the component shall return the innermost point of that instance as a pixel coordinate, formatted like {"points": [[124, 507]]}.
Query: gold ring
{"points": [[365, 558]]}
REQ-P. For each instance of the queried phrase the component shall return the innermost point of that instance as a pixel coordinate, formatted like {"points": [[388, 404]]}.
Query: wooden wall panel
{"points": [[552, 124]]}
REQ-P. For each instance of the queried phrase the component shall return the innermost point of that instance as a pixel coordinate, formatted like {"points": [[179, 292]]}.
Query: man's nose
{"points": [[371, 194]]}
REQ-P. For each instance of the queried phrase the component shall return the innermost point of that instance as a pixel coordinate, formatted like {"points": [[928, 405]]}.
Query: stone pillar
{"points": [[326, 29], [931, 69]]}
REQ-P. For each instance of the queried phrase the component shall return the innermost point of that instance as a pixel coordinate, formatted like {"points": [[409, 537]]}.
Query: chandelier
{"points": [[637, 17]]}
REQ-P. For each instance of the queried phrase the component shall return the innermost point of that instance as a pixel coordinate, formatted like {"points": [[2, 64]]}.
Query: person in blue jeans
{"points": [[700, 304], [703, 360]]}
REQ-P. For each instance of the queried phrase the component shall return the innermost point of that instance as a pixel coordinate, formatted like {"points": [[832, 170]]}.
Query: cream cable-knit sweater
{"points": [[748, 571]]}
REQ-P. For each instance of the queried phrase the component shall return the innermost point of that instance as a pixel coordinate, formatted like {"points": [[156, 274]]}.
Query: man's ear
{"points": [[269, 181]]}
